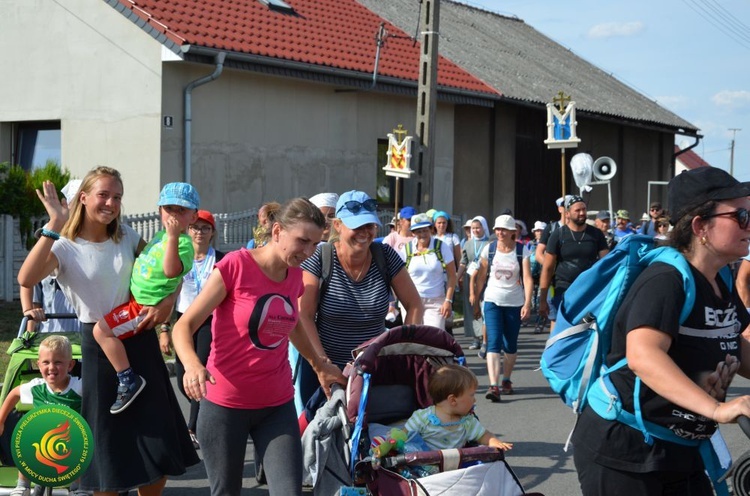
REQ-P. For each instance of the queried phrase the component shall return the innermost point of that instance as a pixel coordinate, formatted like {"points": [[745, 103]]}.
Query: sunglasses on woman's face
{"points": [[741, 215], [355, 207]]}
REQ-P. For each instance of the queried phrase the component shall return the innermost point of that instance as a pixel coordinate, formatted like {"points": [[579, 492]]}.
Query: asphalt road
{"points": [[533, 419]]}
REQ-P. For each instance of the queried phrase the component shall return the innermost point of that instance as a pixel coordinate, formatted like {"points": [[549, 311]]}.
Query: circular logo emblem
{"points": [[52, 445]]}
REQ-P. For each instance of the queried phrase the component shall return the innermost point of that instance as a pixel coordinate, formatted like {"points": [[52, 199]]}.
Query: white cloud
{"points": [[615, 29], [727, 98]]}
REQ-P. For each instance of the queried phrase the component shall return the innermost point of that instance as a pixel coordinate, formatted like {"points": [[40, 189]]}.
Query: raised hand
{"points": [[173, 227], [56, 210]]}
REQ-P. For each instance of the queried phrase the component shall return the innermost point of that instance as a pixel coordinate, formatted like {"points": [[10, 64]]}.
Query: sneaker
{"points": [[482, 351], [126, 393], [493, 394], [507, 386], [194, 439], [538, 329], [20, 491], [475, 345]]}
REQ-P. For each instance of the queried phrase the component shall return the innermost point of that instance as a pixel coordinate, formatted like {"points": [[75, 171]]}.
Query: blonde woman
{"points": [[92, 256]]}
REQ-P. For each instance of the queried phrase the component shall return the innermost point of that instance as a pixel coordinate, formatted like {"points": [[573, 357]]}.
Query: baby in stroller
{"points": [[450, 421]]}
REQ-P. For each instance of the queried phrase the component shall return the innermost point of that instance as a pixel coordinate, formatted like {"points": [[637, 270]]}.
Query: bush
{"points": [[19, 198]]}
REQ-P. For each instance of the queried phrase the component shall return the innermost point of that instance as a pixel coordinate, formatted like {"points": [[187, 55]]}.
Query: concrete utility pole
{"points": [[426, 103], [731, 154]]}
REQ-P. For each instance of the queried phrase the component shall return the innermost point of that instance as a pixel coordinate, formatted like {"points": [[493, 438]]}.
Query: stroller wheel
{"points": [[741, 475]]}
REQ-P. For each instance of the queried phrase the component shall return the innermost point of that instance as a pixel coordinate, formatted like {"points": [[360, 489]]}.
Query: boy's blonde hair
{"points": [[450, 379], [57, 343]]}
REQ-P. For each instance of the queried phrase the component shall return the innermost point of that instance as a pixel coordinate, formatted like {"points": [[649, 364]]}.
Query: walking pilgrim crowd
{"points": [[316, 281]]}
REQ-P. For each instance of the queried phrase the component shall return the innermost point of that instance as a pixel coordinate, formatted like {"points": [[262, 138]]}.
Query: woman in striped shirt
{"points": [[353, 306]]}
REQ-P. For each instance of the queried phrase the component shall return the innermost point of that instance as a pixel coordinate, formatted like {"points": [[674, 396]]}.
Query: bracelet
{"points": [[27, 310], [164, 328], [449, 300], [48, 233]]}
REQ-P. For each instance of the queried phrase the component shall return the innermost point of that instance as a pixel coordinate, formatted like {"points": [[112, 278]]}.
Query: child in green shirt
{"points": [[157, 273], [55, 387]]}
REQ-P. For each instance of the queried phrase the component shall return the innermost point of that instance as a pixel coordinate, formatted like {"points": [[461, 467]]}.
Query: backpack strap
{"points": [[409, 253], [436, 249], [378, 256], [326, 262], [491, 254], [519, 257]]}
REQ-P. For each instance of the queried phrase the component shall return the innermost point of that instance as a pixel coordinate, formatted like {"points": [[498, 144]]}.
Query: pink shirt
{"points": [[249, 352]]}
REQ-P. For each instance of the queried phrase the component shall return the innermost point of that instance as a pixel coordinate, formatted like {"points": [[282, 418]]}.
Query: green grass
{"points": [[10, 319]]}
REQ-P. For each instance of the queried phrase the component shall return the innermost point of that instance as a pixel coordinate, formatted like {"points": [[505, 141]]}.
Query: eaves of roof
{"points": [[526, 66], [334, 39]]}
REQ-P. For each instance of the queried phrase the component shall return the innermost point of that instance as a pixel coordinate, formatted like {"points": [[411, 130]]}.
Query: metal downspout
{"points": [[697, 140], [188, 124]]}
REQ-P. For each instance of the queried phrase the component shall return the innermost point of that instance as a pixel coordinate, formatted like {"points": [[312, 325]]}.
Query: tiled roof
{"points": [[525, 65], [340, 34], [690, 159]]}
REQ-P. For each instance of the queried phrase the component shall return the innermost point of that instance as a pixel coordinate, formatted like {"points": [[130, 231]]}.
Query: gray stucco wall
{"points": [[259, 138]]}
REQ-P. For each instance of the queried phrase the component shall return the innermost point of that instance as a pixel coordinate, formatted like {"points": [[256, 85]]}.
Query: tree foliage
{"points": [[18, 196]]}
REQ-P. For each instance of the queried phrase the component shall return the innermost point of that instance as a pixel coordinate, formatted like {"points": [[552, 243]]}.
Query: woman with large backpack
{"points": [[678, 369]]}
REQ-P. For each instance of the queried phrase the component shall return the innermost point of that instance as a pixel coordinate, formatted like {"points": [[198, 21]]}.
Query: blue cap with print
{"points": [[420, 221], [356, 208], [180, 194]]}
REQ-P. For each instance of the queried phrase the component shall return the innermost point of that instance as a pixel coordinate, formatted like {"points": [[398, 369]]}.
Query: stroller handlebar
{"points": [[436, 457], [744, 424]]}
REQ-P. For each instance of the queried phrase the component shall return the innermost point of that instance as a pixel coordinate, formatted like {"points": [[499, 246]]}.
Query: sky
{"points": [[690, 56]]}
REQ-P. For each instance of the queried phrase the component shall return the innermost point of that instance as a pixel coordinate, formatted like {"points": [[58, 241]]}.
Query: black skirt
{"points": [[144, 443]]}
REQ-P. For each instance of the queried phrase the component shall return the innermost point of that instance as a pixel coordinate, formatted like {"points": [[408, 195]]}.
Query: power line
{"points": [[728, 15], [722, 15], [718, 23]]}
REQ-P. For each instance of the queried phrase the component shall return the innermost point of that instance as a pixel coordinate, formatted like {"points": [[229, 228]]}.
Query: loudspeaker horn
{"points": [[604, 169]]}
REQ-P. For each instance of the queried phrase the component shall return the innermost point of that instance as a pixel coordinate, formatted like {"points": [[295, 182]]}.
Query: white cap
{"points": [[505, 222], [539, 226], [468, 223], [325, 200]]}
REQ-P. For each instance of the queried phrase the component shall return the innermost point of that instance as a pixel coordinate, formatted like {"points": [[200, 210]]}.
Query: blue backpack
{"points": [[573, 360]]}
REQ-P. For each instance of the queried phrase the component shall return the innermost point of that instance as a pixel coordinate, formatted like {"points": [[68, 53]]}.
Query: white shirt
{"points": [[95, 277], [426, 270], [504, 286]]}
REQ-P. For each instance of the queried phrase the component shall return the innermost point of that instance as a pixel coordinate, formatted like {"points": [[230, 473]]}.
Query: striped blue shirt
{"points": [[351, 312]]}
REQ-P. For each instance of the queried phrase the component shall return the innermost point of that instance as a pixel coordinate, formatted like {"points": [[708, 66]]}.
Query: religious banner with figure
{"points": [[561, 123], [399, 154]]}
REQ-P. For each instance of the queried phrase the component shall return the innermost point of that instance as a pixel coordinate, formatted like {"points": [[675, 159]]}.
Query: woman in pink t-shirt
{"points": [[246, 386]]}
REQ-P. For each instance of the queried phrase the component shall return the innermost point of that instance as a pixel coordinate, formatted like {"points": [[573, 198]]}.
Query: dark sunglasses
{"points": [[741, 215], [355, 207]]}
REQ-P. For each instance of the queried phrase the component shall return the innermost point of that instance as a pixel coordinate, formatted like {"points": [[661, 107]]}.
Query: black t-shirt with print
{"points": [[711, 331], [575, 251]]}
